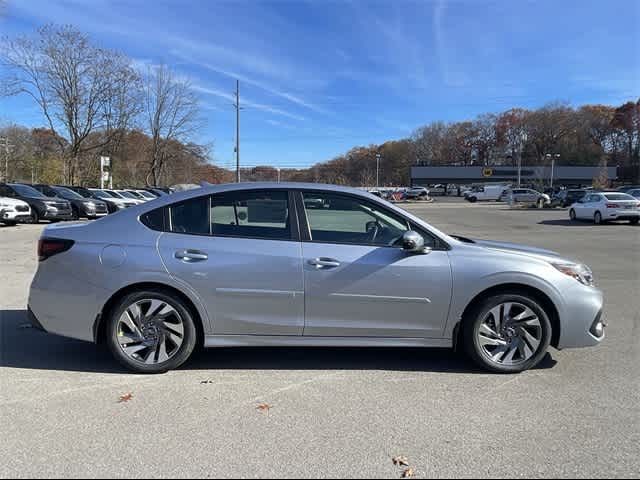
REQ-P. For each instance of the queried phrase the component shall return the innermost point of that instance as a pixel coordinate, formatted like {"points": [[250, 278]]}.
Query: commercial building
{"points": [[562, 175]]}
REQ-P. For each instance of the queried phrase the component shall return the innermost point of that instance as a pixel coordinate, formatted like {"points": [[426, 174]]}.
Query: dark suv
{"points": [[42, 207], [81, 207], [112, 207], [566, 198]]}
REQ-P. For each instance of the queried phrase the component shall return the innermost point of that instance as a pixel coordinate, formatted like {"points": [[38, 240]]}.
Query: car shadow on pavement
{"points": [[24, 347], [566, 223]]}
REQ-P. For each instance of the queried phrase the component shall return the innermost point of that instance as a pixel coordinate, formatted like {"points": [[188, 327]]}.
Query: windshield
{"points": [[102, 194], [127, 195], [618, 196], [114, 194], [26, 191], [66, 193]]}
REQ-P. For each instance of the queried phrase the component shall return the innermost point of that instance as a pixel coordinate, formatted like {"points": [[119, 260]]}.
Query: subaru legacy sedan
{"points": [[252, 265]]}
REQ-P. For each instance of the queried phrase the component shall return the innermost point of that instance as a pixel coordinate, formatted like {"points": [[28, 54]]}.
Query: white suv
{"points": [[606, 206], [14, 211]]}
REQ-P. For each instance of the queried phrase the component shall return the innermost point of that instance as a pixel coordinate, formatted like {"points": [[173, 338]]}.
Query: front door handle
{"points": [[324, 262], [191, 256]]}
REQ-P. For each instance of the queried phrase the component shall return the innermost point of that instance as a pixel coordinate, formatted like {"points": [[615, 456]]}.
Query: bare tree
{"points": [[172, 115], [75, 84]]}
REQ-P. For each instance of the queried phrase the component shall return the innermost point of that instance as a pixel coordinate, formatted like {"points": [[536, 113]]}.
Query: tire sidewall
{"points": [[572, 214], [472, 324], [190, 332], [597, 216]]}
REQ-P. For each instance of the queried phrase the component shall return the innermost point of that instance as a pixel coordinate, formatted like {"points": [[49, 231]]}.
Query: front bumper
{"points": [[13, 216], [58, 215], [582, 313]]}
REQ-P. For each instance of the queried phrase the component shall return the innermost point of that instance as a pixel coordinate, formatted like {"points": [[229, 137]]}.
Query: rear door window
{"points": [[252, 214]]}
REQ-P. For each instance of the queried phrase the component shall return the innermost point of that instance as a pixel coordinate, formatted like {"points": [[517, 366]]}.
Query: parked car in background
{"points": [[127, 196], [360, 272], [417, 193], [144, 194], [13, 211], [42, 207], [634, 193], [118, 202], [86, 193], [483, 193], [528, 196], [566, 198], [81, 207], [626, 188], [606, 206], [135, 194]]}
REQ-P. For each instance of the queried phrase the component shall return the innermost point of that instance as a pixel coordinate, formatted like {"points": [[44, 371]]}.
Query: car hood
{"points": [[12, 201], [526, 250]]}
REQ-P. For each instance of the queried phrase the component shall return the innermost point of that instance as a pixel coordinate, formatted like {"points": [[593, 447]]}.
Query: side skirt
{"points": [[219, 341]]}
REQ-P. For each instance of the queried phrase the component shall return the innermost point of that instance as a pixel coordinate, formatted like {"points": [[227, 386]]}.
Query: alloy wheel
{"points": [[150, 331], [510, 334]]}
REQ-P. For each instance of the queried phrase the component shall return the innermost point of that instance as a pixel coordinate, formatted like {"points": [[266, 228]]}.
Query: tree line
{"points": [[95, 102]]}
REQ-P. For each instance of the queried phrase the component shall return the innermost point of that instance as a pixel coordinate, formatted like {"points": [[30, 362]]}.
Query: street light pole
{"points": [[378, 170]]}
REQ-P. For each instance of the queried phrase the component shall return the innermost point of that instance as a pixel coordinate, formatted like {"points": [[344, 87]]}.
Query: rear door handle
{"points": [[191, 256], [324, 262]]}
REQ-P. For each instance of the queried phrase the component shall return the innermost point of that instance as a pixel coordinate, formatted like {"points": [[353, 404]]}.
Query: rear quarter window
{"points": [[155, 220]]}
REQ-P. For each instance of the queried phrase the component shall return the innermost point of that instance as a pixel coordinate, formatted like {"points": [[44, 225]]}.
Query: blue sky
{"points": [[321, 76]]}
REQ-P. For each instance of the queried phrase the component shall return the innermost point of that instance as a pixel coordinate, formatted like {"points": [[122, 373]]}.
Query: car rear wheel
{"points": [[75, 214], [597, 218], [473, 199], [634, 221], [151, 331], [35, 216], [572, 214], [507, 333]]}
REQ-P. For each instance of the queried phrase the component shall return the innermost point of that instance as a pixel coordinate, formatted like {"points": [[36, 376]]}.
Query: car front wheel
{"points": [[151, 332], [507, 333], [572, 214]]}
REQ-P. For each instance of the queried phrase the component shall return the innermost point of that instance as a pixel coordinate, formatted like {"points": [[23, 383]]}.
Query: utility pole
{"points": [[237, 105], [4, 142], [378, 170]]}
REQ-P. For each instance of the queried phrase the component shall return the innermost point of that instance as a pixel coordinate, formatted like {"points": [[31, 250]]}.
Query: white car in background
{"points": [[606, 206], [14, 211], [113, 197]]}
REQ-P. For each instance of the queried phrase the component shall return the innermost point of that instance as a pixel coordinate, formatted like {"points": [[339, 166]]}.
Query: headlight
{"points": [[89, 204], [580, 272]]}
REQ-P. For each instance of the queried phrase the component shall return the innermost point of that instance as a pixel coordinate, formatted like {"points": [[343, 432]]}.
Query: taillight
{"points": [[48, 247], [613, 205]]}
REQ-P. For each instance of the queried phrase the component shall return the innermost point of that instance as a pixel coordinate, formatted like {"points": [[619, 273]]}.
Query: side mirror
{"points": [[413, 242]]}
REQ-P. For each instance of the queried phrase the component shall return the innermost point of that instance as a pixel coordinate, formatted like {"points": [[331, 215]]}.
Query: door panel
{"points": [[375, 292], [249, 286]]}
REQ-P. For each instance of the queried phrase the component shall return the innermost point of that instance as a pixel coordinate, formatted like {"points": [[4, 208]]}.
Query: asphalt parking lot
{"points": [[335, 412]]}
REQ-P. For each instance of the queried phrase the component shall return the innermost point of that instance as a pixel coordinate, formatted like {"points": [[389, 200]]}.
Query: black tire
{"points": [[634, 221], [9, 223], [75, 213], [473, 320], [572, 214], [184, 352], [473, 199], [35, 216], [597, 218]]}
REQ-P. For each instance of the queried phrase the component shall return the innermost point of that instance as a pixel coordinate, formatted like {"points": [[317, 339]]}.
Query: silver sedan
{"points": [[255, 265]]}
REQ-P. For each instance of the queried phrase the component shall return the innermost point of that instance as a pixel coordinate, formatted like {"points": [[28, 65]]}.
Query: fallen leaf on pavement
{"points": [[401, 461], [126, 398], [408, 473], [206, 382], [263, 407]]}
